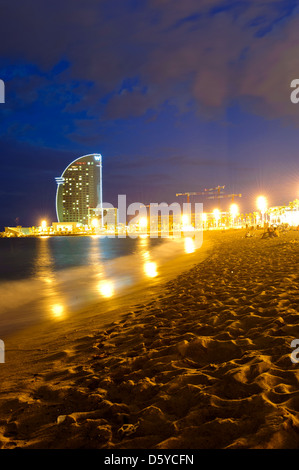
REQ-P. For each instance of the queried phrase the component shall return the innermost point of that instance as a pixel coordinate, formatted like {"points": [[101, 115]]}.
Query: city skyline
{"points": [[175, 99]]}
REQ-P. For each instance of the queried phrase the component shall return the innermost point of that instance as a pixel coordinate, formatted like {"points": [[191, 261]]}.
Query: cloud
{"points": [[268, 73], [205, 54]]}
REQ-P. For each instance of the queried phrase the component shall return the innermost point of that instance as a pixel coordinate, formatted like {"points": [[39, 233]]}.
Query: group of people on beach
{"points": [[271, 232]]}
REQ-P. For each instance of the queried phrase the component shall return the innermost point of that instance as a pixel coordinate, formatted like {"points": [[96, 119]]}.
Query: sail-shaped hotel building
{"points": [[79, 188]]}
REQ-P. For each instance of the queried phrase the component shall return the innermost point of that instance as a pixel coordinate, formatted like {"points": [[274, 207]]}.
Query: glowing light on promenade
{"points": [[262, 205], [143, 222], [106, 288], [185, 220], [217, 215], [234, 211], [95, 223], [43, 224], [186, 223], [150, 269]]}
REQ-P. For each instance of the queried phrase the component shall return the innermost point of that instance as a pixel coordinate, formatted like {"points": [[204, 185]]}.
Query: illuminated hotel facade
{"points": [[79, 188]]}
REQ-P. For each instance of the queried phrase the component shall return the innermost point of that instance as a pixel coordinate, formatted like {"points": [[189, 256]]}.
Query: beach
{"points": [[203, 362]]}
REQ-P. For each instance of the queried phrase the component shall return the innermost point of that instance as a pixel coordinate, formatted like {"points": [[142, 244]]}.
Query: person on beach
{"points": [[271, 232], [248, 235], [266, 234]]}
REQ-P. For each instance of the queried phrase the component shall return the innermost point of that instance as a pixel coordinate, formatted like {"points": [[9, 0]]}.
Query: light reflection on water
{"points": [[45, 271], [106, 288], [60, 297], [55, 293], [189, 245], [150, 269]]}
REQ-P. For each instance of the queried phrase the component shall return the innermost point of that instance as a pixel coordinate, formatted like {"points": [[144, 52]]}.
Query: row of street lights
{"points": [[261, 203]]}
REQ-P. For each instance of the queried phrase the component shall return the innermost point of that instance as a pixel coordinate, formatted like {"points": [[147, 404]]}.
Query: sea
{"points": [[53, 277]]}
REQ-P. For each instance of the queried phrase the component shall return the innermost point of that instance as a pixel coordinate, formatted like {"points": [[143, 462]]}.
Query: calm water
{"points": [[22, 258], [52, 277]]}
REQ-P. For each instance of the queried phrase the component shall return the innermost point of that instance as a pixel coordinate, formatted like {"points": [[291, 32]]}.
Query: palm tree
{"points": [[294, 205], [256, 217], [251, 218]]}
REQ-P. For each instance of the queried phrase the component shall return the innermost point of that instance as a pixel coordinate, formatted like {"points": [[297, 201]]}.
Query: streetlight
{"points": [[95, 223], [216, 213], [234, 211], [185, 219], [262, 205], [43, 225], [142, 223]]}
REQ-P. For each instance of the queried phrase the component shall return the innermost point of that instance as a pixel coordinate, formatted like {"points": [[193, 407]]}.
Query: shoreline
{"points": [[127, 272], [206, 364], [111, 235]]}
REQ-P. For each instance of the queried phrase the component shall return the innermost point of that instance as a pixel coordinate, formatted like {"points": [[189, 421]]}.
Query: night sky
{"points": [[177, 95]]}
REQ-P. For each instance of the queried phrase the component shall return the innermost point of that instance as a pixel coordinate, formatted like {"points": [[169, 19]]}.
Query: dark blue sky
{"points": [[176, 95]]}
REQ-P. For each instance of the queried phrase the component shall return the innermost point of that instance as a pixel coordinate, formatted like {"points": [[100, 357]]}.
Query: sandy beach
{"points": [[204, 362]]}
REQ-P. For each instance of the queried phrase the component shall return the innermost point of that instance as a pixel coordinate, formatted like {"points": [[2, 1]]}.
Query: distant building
{"points": [[79, 188], [284, 215], [102, 217], [18, 231], [66, 227]]}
